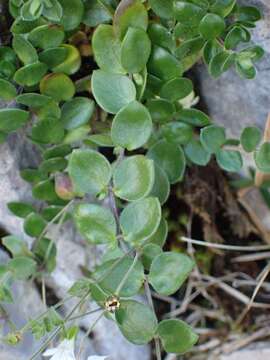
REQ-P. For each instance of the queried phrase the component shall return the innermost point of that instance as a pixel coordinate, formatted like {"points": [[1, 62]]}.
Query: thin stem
{"points": [[43, 290], [150, 301], [225, 247], [54, 334], [84, 314], [124, 280], [88, 333]]}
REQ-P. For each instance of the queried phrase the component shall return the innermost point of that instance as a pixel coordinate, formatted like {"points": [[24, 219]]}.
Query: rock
{"points": [[235, 102]]}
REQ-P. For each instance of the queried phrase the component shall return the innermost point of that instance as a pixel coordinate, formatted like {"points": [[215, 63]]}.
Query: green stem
{"points": [[124, 280]]}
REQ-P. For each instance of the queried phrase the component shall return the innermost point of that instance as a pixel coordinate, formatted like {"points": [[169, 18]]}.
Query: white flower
{"points": [[64, 351], [98, 357]]}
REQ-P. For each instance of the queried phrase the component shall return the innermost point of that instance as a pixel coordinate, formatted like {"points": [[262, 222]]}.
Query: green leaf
{"points": [[58, 86], [72, 62], [77, 112], [188, 13], [169, 271], [132, 126], [135, 50], [130, 13], [136, 321], [160, 235], [163, 64], [229, 160], [212, 138], [133, 178], [161, 110], [45, 251], [31, 74], [54, 56], [262, 157], [197, 153], [77, 135], [190, 47], [176, 89], [12, 119], [161, 36], [95, 13], [161, 186], [248, 14], [250, 138], [107, 49], [53, 165], [34, 224], [24, 49], [54, 11], [221, 62], [194, 117], [223, 7], [46, 36], [95, 223], [80, 288], [15, 245], [245, 67], [7, 90], [90, 171], [112, 91], [176, 336], [149, 253], [164, 9], [44, 190], [139, 220], [29, 12], [22, 267], [115, 270], [210, 50], [48, 131], [177, 132], [102, 140], [211, 26], [72, 13], [57, 151], [236, 35], [169, 157], [33, 100], [20, 209]]}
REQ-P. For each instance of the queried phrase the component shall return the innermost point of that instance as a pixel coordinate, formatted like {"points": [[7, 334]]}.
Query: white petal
{"points": [[50, 352], [97, 357]]}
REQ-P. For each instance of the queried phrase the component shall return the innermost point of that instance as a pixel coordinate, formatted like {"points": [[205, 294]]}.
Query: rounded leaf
{"points": [[161, 186], [176, 336], [164, 9], [211, 26], [46, 36], [133, 178], [229, 160], [95, 223], [115, 273], [262, 157], [22, 267], [24, 49], [48, 130], [107, 49], [139, 220], [176, 89], [169, 271], [34, 224], [77, 112], [31, 74], [188, 13], [197, 153], [212, 138], [136, 321], [250, 138], [132, 126], [149, 253], [177, 132], [135, 50], [161, 110], [160, 235], [169, 157], [112, 91], [12, 119], [7, 90], [58, 86], [72, 13], [89, 170], [20, 209], [194, 117], [72, 62]]}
